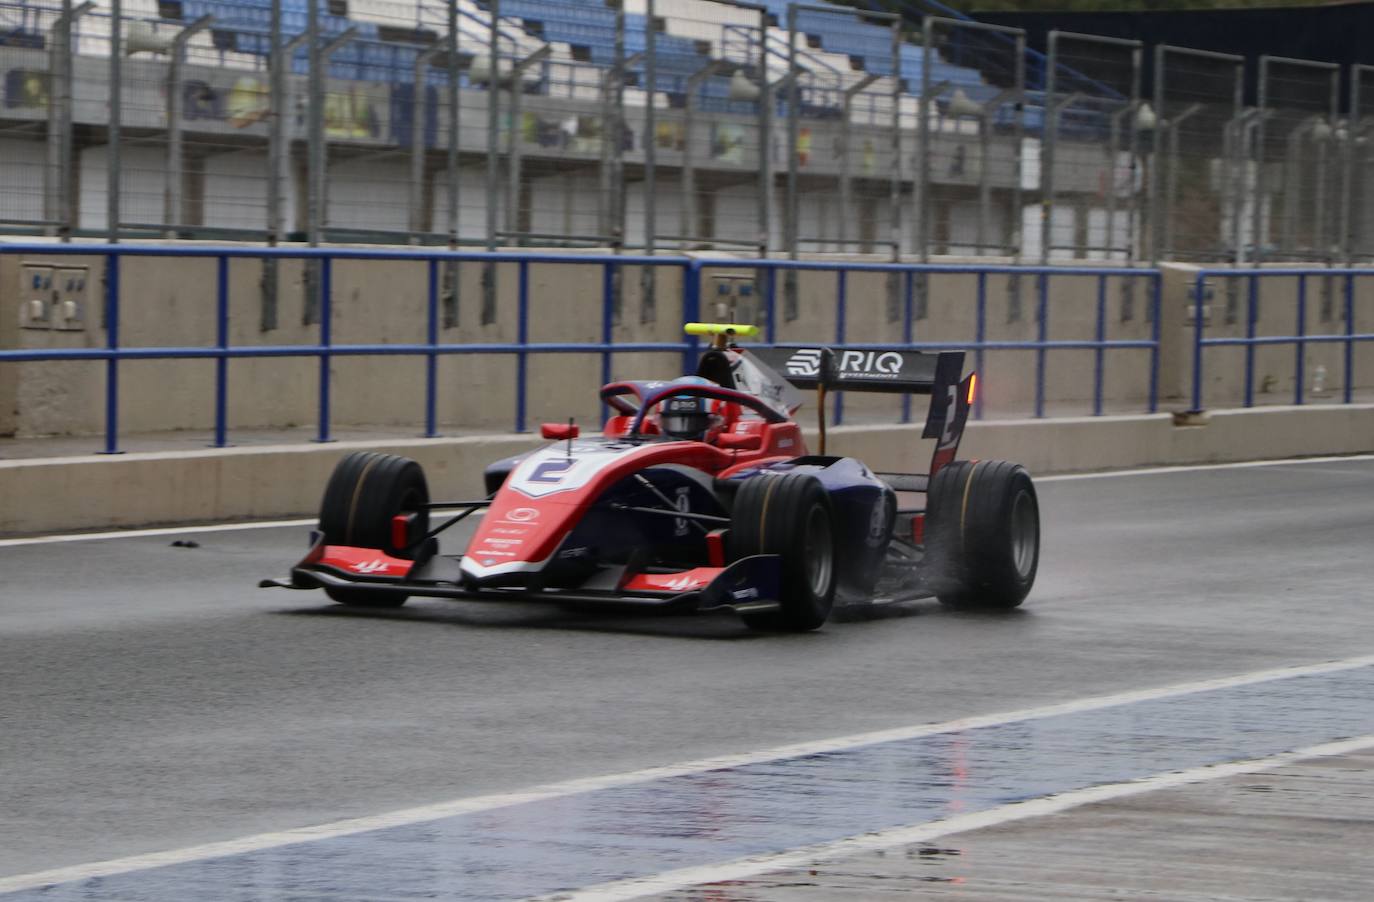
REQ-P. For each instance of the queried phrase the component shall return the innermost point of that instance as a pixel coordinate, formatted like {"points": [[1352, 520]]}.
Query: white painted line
{"points": [[610, 781], [1193, 468], [144, 533], [811, 856]]}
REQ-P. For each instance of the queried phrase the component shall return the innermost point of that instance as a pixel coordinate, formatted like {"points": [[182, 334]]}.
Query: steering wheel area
{"points": [[614, 393]]}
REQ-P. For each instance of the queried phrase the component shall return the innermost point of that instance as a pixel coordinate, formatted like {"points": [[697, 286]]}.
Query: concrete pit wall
{"points": [[170, 302], [95, 492]]}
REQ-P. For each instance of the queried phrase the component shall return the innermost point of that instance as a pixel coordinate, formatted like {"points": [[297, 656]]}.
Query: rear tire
{"points": [[983, 524], [365, 492], [790, 516]]}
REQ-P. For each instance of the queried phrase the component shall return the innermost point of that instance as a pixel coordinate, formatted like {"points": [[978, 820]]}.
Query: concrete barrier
{"points": [[264, 482]]}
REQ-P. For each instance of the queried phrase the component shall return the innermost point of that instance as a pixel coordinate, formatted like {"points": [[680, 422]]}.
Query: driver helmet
{"points": [[687, 417]]}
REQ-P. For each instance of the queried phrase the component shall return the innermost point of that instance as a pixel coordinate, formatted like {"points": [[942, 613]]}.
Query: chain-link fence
{"points": [[667, 125]]}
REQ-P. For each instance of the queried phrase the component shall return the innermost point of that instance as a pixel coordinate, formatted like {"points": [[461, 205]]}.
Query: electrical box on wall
{"points": [[70, 299], [53, 297], [35, 296]]}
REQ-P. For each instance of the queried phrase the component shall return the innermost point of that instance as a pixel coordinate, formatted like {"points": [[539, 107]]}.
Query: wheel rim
{"points": [[820, 551], [1025, 534]]}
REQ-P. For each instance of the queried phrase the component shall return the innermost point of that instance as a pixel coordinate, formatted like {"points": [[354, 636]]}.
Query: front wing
{"points": [[749, 585]]}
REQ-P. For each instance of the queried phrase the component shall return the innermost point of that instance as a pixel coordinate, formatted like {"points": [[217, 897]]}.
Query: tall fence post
{"points": [[116, 88], [175, 176], [493, 121], [59, 204], [314, 135], [648, 275], [419, 114], [789, 279], [318, 164]]}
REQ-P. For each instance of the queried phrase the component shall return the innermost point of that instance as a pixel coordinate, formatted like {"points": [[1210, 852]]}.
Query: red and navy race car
{"points": [[700, 494]]}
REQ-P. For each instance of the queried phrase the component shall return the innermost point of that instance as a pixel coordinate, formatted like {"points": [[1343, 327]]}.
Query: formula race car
{"points": [[700, 495]]}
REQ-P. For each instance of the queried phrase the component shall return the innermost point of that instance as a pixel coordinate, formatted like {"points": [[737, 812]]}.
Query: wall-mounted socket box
{"points": [[71, 299], [35, 296]]}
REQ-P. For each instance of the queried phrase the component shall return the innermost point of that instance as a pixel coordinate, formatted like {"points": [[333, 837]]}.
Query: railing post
{"points": [[1251, 314], [222, 343], [908, 334], [691, 311], [979, 338], [841, 312], [112, 362], [608, 282], [326, 339], [1349, 337], [432, 359], [770, 301], [1042, 315], [523, 337], [1199, 286], [1099, 352], [1300, 361], [1155, 291]]}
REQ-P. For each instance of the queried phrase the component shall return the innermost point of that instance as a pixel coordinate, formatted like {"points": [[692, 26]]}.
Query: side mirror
{"points": [[559, 431], [740, 441]]}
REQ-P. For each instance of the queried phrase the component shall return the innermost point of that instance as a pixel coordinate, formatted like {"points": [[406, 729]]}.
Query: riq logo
{"points": [[871, 364]]}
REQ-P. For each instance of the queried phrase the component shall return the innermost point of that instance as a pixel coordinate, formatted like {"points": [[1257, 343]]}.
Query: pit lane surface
{"points": [[153, 700]]}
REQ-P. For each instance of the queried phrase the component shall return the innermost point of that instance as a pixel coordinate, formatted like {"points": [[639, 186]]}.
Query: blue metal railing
{"points": [[1300, 338], [980, 344], [222, 351]]}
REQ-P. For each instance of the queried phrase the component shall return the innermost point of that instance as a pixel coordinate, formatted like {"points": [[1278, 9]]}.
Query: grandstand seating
{"points": [[836, 50]]}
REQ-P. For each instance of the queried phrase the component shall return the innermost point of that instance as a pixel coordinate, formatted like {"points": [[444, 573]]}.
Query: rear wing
{"points": [[940, 375]]}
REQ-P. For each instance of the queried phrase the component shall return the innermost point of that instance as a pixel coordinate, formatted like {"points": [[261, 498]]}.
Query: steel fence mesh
{"points": [[1089, 178], [1197, 103], [1358, 192], [1298, 158], [972, 183], [31, 61]]}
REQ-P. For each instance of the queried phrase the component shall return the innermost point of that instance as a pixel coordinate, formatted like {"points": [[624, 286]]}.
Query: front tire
{"points": [[790, 516], [983, 524], [364, 493]]}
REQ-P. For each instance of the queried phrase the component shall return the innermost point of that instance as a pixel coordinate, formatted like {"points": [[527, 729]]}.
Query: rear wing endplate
{"points": [[940, 375]]}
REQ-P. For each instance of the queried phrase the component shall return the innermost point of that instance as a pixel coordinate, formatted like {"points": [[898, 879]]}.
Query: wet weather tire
{"points": [[364, 493], [789, 516], [983, 534]]}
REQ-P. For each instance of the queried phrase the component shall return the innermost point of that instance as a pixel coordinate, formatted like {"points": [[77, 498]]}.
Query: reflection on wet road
{"points": [[695, 819]]}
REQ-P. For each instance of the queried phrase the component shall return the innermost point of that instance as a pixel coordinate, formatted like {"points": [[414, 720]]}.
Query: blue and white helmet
{"points": [[687, 417]]}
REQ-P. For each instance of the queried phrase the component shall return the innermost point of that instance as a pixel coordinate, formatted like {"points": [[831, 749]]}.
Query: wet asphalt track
{"points": [[153, 699]]}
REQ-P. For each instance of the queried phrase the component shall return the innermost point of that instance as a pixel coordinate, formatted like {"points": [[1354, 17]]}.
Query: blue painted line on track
{"points": [[659, 825]]}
